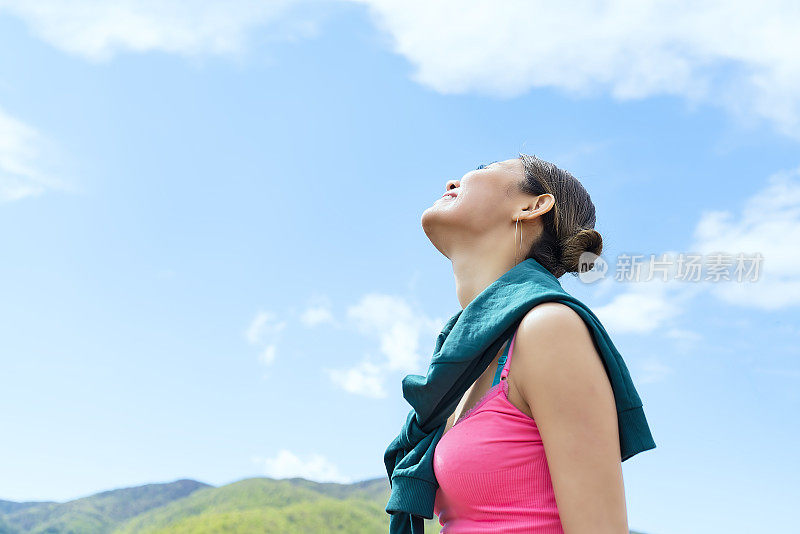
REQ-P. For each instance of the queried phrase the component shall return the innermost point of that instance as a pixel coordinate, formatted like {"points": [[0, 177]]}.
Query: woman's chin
{"points": [[438, 209], [431, 217], [434, 225]]}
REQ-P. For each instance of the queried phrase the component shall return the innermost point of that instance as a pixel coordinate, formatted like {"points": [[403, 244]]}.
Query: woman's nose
{"points": [[451, 184]]}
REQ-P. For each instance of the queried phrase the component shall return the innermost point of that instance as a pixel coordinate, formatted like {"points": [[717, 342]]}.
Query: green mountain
{"points": [[255, 505], [99, 513], [264, 505], [7, 507]]}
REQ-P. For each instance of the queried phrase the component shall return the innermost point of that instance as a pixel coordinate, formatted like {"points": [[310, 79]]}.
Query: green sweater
{"points": [[464, 349]]}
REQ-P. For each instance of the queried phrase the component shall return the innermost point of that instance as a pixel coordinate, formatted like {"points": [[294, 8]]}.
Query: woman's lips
{"points": [[450, 194]]}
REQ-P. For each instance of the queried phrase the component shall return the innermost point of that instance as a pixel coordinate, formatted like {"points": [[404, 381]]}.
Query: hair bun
{"points": [[585, 240]]}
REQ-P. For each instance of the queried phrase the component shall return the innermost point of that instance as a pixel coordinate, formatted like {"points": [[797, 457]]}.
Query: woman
{"points": [[540, 450]]}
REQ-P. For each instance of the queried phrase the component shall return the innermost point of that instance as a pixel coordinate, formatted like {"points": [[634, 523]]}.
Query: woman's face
{"points": [[482, 203]]}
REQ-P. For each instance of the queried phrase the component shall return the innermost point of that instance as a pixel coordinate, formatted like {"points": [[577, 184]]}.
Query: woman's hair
{"points": [[568, 226]]}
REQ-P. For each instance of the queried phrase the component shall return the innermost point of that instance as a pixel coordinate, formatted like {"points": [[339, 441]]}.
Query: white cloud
{"points": [[397, 328], [364, 379], [316, 467], [643, 308], [316, 315], [21, 173], [264, 325], [98, 29], [267, 356], [264, 331], [739, 55], [386, 319], [769, 223], [653, 302]]}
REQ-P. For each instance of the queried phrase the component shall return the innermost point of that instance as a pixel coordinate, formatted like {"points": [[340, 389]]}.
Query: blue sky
{"points": [[212, 261]]}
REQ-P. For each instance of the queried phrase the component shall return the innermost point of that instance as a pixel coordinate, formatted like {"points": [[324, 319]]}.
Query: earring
{"points": [[516, 260]]}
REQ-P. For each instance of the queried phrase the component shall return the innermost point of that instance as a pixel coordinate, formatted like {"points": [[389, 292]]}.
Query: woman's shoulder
{"points": [[551, 317], [554, 345]]}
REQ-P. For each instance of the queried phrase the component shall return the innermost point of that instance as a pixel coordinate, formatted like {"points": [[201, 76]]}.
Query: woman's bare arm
{"points": [[559, 373]]}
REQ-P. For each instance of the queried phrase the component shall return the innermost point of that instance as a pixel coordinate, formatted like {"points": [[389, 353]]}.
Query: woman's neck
{"points": [[475, 272]]}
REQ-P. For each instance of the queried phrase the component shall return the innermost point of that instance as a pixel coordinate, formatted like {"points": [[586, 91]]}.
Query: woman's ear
{"points": [[542, 204]]}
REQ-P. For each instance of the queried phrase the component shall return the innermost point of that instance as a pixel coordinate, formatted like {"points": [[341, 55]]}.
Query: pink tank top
{"points": [[492, 470]]}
